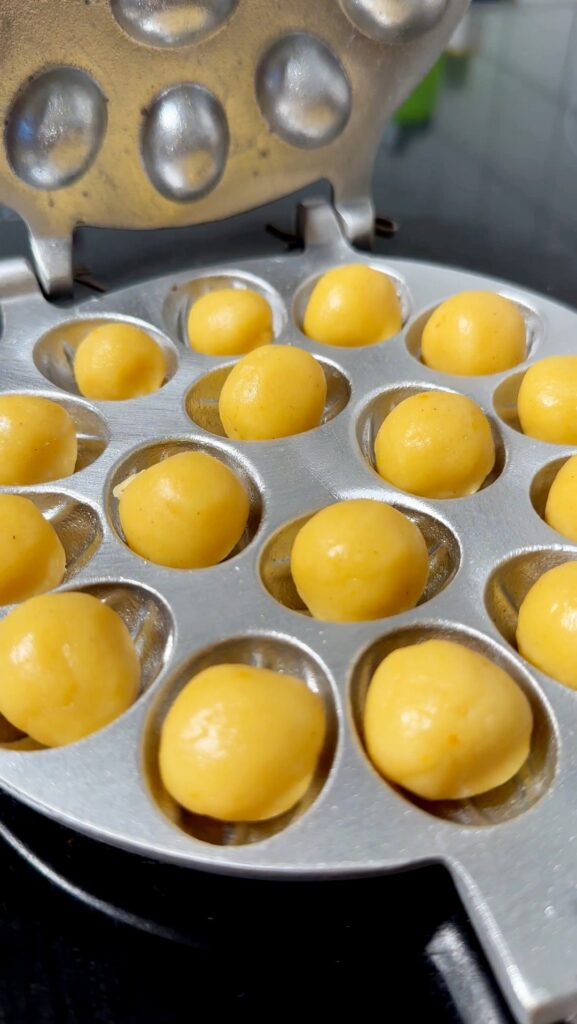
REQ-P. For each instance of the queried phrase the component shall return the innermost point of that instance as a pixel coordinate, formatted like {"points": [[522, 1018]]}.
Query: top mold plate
{"points": [[156, 113]]}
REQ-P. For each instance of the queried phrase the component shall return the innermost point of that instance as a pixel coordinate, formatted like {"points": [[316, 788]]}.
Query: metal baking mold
{"points": [[512, 853], [159, 113]]}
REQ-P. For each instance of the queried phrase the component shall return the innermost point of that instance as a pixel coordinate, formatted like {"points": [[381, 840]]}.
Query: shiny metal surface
{"points": [[54, 128], [305, 95], [171, 22], [303, 91], [391, 21], [512, 853], [185, 142]]}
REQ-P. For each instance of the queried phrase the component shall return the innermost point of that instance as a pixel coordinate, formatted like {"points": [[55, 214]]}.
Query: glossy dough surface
{"points": [[445, 722], [474, 333], [229, 322], [32, 559], [187, 511], [117, 361], [547, 400], [68, 667], [359, 559], [435, 444], [37, 440], [241, 743], [352, 306], [547, 624], [275, 391]]}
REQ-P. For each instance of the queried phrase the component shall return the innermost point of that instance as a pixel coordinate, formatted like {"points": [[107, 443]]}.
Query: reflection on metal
{"points": [[303, 91], [171, 22], [55, 127], [185, 142], [394, 21], [475, 999]]}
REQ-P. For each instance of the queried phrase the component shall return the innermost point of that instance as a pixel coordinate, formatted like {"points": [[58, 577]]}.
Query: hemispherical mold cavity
{"points": [[394, 21], [149, 455], [542, 483], [77, 524], [506, 801], [150, 624], [534, 326], [181, 298], [184, 142], [54, 352], [92, 433], [275, 569], [303, 91], [378, 408], [169, 23], [279, 654], [511, 581], [55, 128], [505, 402], [202, 400], [305, 290]]}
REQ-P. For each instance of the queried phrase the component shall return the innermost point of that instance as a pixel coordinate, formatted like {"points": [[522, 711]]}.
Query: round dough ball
{"points": [[436, 445], [68, 667], [273, 392], [116, 361], [547, 400], [547, 624], [37, 440], [445, 722], [358, 560], [561, 507], [352, 306], [474, 333], [32, 559], [241, 743], [187, 512], [229, 322]]}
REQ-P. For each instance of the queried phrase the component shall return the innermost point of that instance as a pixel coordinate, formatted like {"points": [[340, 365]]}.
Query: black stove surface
{"points": [[90, 934], [479, 171]]}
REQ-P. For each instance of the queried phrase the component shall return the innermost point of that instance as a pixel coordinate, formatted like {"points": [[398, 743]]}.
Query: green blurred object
{"points": [[420, 106]]}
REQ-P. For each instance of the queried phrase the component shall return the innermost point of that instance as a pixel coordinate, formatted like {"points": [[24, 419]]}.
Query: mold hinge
{"points": [[52, 257], [318, 222]]}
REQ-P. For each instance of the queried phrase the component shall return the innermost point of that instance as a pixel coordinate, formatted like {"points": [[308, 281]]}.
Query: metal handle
{"points": [[527, 929]]}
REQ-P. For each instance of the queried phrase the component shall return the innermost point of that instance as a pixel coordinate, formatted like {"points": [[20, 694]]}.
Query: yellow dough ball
{"points": [[547, 400], [229, 322], [241, 743], [117, 361], [474, 333], [273, 392], [352, 306], [32, 559], [357, 560], [561, 507], [444, 722], [37, 440], [436, 445], [547, 624], [187, 512], [67, 667]]}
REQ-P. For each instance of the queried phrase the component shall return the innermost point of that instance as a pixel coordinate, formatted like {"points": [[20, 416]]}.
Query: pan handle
{"points": [[526, 922]]}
